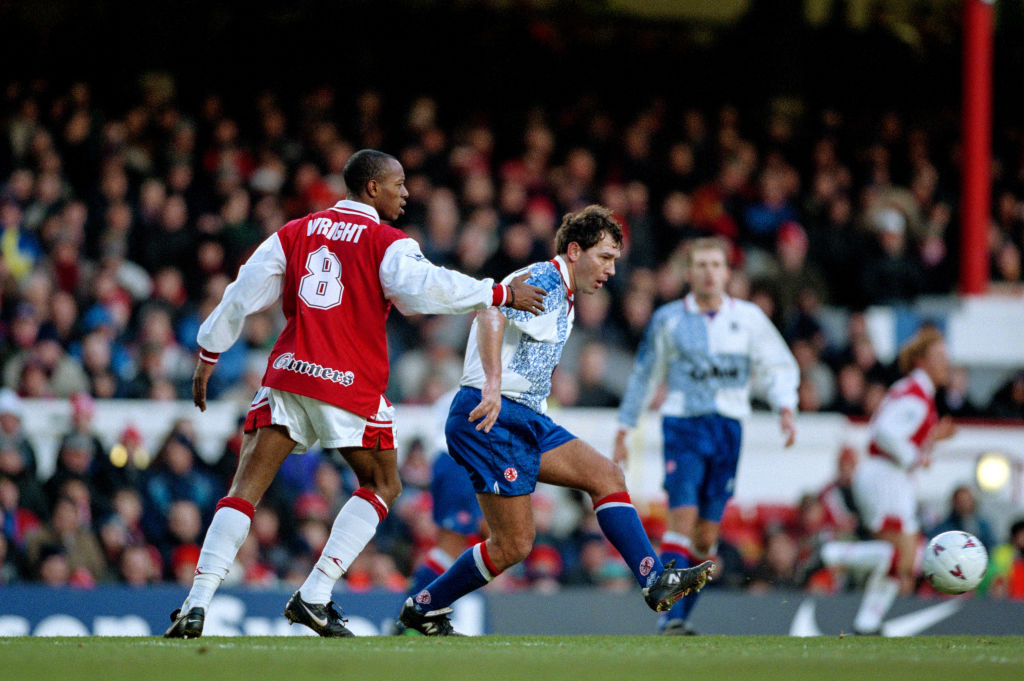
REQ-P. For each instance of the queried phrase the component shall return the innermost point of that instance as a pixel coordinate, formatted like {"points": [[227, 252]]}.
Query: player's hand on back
{"points": [[488, 409], [526, 297], [787, 422], [199, 380]]}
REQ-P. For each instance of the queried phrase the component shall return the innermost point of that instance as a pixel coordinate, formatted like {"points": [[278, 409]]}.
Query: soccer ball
{"points": [[955, 562]]}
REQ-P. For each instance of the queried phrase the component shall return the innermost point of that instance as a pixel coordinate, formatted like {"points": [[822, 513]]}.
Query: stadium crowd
{"points": [[121, 228]]}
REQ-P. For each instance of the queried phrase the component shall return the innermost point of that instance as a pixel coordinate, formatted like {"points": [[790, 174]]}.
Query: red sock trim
{"points": [[487, 560], [684, 551], [617, 497], [372, 499], [891, 523], [238, 504]]}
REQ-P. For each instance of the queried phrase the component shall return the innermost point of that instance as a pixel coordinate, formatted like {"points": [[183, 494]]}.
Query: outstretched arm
{"points": [[417, 286]]}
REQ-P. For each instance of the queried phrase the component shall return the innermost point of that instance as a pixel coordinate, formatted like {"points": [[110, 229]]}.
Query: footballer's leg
{"points": [[457, 516], [353, 528], [577, 465], [510, 520], [262, 454], [677, 545]]}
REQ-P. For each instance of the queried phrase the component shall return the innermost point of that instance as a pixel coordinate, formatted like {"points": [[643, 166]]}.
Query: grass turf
{"points": [[509, 658]]}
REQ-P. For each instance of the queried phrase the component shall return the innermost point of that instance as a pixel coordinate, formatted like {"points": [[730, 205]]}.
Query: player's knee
{"points": [[390, 490], [607, 479], [511, 549]]}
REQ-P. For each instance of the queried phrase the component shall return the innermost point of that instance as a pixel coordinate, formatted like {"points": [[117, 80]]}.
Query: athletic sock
{"points": [[677, 547], [228, 529], [469, 572], [432, 567], [879, 594], [621, 525], [353, 529]]}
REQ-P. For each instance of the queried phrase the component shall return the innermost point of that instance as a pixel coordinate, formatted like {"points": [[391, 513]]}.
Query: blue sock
{"points": [[432, 567], [678, 547], [469, 572], [621, 525], [676, 612]]}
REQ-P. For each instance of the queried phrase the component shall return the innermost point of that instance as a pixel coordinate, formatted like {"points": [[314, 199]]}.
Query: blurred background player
{"points": [[510, 358], [711, 349], [455, 509], [340, 271], [903, 432]]}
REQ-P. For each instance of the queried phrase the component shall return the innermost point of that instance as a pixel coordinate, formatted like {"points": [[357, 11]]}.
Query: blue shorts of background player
{"points": [[455, 505], [701, 457], [506, 460]]}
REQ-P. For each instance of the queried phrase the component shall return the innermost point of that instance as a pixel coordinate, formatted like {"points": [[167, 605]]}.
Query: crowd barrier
{"points": [[124, 611]]}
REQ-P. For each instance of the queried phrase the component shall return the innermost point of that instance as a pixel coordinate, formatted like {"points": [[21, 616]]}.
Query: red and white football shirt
{"points": [[339, 271]]}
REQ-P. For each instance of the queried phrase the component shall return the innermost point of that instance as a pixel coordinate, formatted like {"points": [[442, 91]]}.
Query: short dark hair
{"points": [[363, 166], [587, 227]]}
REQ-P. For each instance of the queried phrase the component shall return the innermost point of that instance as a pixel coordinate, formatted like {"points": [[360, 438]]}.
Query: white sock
{"points": [[879, 595], [441, 558], [228, 530], [352, 531], [859, 556]]}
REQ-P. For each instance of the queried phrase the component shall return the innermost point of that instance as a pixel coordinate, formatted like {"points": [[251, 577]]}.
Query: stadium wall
{"points": [[122, 611], [768, 473]]}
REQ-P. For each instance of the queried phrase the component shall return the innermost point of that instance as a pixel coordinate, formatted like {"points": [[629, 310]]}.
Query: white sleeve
{"points": [[417, 286], [896, 422], [773, 367], [258, 284], [649, 370]]}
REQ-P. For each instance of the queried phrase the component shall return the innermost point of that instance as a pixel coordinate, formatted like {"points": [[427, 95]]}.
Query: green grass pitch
{"points": [[510, 658]]}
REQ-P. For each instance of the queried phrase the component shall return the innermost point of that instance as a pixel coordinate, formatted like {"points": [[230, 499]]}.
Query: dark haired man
{"points": [[505, 383], [338, 271]]}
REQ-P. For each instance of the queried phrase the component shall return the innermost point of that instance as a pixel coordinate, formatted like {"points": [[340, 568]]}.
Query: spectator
{"points": [[69, 536], [11, 411], [175, 476], [1006, 569], [963, 515], [1008, 401]]}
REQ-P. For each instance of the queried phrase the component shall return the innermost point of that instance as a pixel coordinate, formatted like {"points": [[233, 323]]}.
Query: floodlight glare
{"points": [[993, 471]]}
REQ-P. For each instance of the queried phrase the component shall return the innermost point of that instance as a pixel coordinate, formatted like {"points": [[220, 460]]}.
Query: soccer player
{"points": [[710, 349], [903, 432], [455, 510], [498, 430], [338, 271]]}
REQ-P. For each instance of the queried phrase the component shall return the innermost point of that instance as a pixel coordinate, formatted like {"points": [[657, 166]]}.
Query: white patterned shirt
{"points": [[710, 362], [532, 345]]}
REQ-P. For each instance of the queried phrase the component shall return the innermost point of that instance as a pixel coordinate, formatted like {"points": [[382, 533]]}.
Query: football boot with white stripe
{"points": [[323, 619], [189, 625], [674, 583], [433, 623]]}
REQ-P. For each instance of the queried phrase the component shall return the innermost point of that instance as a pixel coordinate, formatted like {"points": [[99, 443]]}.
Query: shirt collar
{"points": [[351, 206], [922, 378], [690, 303], [563, 269]]}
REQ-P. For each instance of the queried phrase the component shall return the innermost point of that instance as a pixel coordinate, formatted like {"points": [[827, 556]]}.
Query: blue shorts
{"points": [[506, 460], [455, 505], [701, 455]]}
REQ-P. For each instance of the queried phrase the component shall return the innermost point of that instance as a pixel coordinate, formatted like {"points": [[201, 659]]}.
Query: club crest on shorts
{"points": [[511, 474], [423, 597], [646, 565], [670, 466]]}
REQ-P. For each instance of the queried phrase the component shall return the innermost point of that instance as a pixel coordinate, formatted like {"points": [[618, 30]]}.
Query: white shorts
{"points": [[884, 494], [309, 420]]}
